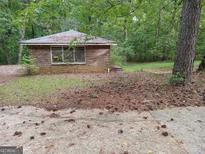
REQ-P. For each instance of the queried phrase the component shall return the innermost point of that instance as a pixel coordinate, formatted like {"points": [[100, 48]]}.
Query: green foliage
{"points": [[8, 34], [201, 37], [25, 60], [30, 64], [144, 30], [177, 79], [116, 56]]}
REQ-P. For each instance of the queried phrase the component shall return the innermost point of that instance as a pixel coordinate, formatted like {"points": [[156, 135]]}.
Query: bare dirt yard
{"points": [[94, 131], [12, 70], [121, 92], [9, 72], [103, 113], [5, 79], [125, 92]]}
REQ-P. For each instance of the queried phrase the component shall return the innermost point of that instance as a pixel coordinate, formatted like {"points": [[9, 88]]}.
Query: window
{"points": [[79, 55], [69, 55], [65, 55], [57, 55]]}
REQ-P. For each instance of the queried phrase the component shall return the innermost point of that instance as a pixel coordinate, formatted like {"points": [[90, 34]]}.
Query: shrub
{"points": [[177, 79], [116, 57], [30, 64]]}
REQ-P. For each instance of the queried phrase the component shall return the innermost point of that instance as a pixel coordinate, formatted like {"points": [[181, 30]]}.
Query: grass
{"points": [[33, 88], [157, 66]]}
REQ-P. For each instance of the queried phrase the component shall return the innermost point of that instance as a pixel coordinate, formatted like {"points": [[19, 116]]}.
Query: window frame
{"points": [[62, 53]]}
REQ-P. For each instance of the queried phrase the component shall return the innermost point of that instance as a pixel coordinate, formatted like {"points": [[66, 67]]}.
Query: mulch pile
{"points": [[141, 91]]}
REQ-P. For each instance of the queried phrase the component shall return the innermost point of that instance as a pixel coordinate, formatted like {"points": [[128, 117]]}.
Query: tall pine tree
{"points": [[185, 53]]}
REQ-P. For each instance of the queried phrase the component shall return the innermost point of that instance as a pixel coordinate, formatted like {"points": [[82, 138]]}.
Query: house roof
{"points": [[68, 37]]}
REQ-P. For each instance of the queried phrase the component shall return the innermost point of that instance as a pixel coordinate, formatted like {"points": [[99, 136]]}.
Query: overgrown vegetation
{"points": [[144, 30], [177, 79], [202, 65], [30, 64]]}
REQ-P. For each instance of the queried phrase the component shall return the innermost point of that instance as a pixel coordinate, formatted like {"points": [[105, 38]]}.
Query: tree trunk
{"points": [[22, 34], [158, 24], [185, 53], [125, 30]]}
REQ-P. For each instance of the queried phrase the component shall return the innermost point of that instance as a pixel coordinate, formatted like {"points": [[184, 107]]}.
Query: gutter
{"points": [[63, 44]]}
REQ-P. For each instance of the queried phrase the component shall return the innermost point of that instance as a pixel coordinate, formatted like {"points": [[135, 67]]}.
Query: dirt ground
{"points": [[12, 70], [92, 120], [5, 79], [186, 124], [124, 92], [94, 131]]}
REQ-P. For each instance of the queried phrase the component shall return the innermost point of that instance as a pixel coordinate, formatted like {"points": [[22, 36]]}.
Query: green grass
{"points": [[33, 88], [157, 66]]}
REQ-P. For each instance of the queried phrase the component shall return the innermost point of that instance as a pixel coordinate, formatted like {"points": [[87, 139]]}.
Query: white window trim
{"points": [[63, 63]]}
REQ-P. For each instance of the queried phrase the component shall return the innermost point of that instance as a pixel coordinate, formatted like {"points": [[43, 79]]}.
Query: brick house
{"points": [[70, 52]]}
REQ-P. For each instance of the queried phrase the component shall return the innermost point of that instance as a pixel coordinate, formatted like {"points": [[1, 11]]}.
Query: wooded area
{"points": [[144, 30]]}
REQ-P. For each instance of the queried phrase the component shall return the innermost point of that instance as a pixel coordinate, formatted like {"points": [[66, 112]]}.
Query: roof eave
{"points": [[65, 44]]}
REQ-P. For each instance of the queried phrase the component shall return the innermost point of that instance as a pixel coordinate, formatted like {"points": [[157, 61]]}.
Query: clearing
{"points": [[141, 91], [103, 113], [154, 67], [31, 89], [123, 92], [115, 92]]}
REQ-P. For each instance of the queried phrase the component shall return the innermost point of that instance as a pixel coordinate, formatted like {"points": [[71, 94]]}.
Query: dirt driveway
{"points": [[9, 72], [99, 131], [5, 79]]}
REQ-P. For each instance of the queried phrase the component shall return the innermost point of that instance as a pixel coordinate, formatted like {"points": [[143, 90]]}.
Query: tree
{"points": [[185, 53], [145, 30], [8, 32], [22, 20]]}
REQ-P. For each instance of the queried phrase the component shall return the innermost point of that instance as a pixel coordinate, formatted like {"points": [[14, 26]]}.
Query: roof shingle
{"points": [[68, 37]]}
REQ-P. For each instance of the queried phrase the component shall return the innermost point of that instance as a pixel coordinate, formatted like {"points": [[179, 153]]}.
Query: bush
{"points": [[177, 79], [30, 64], [116, 57]]}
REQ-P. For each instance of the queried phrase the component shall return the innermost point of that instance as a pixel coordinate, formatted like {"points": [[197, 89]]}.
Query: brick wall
{"points": [[97, 60]]}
